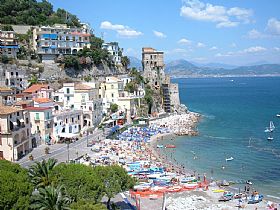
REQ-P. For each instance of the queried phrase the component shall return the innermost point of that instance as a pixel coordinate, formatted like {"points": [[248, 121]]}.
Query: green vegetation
{"points": [[4, 59], [137, 80], [149, 97], [31, 12], [114, 108], [59, 187], [33, 80], [15, 187], [125, 61]]}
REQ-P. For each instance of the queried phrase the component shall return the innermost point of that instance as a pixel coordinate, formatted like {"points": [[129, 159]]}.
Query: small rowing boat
{"points": [[170, 146], [229, 159]]}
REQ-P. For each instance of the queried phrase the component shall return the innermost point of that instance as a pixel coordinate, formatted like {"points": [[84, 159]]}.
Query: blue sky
{"points": [[233, 32]]}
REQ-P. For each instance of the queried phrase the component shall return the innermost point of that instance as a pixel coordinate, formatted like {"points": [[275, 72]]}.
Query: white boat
{"points": [[270, 138], [271, 127], [278, 115], [229, 159]]}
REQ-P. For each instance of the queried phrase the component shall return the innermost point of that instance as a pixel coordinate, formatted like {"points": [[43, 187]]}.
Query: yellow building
{"points": [[42, 124], [14, 133]]}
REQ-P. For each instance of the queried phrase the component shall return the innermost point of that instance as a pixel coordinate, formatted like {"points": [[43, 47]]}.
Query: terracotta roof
{"points": [[20, 95], [35, 88], [3, 89], [4, 110], [81, 86], [42, 100], [32, 108]]}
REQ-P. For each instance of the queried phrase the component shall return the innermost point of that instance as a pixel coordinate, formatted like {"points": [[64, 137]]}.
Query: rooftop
{"points": [[5, 89], [42, 100], [37, 109], [35, 88], [5, 110], [81, 86]]}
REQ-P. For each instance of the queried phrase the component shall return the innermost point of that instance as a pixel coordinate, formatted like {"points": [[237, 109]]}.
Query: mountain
{"points": [[183, 68], [215, 65], [135, 62]]}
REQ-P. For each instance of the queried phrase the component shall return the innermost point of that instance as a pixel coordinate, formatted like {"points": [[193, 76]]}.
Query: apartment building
{"points": [[14, 133], [8, 44], [7, 96], [13, 77], [114, 50], [51, 41], [68, 123], [42, 124], [82, 96]]}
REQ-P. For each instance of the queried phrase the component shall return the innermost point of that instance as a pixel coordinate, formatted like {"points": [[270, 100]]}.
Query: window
{"points": [[37, 117], [16, 73], [112, 86], [17, 113], [66, 120], [68, 98], [27, 132], [72, 119], [112, 95], [12, 73], [27, 120], [78, 117], [67, 90]]}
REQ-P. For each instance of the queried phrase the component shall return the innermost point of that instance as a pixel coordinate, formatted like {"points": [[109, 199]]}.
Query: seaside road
{"points": [[60, 151]]}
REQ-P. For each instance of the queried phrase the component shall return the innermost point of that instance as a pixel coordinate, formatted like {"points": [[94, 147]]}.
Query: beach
{"points": [[147, 155]]}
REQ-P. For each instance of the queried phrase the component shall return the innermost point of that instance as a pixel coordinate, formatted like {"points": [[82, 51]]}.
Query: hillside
{"points": [[31, 12], [183, 68]]}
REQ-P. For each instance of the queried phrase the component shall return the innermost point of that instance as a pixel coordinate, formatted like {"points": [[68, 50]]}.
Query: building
{"points": [[8, 44], [109, 91], [87, 99], [14, 133], [84, 97], [7, 96], [114, 50], [153, 66], [51, 41], [68, 123], [39, 91], [42, 124], [13, 77], [174, 96]]}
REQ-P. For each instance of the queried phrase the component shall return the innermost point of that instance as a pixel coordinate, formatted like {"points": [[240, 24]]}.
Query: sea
{"points": [[235, 112]]}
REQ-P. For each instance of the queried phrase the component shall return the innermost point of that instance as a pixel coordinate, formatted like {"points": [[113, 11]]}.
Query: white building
{"points": [[114, 50]]}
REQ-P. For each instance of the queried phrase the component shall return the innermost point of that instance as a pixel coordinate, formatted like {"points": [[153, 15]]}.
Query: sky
{"points": [[236, 32]]}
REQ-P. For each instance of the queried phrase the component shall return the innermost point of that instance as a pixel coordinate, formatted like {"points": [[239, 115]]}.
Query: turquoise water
{"points": [[234, 110]]}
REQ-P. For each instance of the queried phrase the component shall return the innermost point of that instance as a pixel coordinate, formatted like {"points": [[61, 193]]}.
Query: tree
{"points": [[85, 205], [4, 59], [33, 80], [81, 182], [15, 187], [115, 180], [125, 61], [114, 107], [51, 198], [40, 173], [96, 42]]}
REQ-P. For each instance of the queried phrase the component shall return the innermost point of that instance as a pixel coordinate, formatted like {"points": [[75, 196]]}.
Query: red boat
{"points": [[170, 146]]}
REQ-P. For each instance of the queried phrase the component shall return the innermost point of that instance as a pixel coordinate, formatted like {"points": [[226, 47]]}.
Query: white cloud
{"points": [[255, 34], [232, 17], [213, 48], [276, 49], [241, 14], [255, 49], [200, 45], [227, 24], [273, 26], [184, 41], [159, 34], [250, 50], [233, 45], [122, 30]]}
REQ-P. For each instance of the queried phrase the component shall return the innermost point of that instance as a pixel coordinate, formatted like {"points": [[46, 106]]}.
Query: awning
{"points": [[15, 123], [108, 121], [68, 135], [21, 120]]}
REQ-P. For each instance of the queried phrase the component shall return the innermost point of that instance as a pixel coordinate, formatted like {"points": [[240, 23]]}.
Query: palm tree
{"points": [[125, 61], [33, 80], [50, 198], [40, 173]]}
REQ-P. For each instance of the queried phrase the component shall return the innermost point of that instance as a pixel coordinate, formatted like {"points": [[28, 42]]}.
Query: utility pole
{"points": [[87, 138], [67, 151]]}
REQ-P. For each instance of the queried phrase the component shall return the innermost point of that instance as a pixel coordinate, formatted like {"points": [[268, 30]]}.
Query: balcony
{"points": [[37, 120]]}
